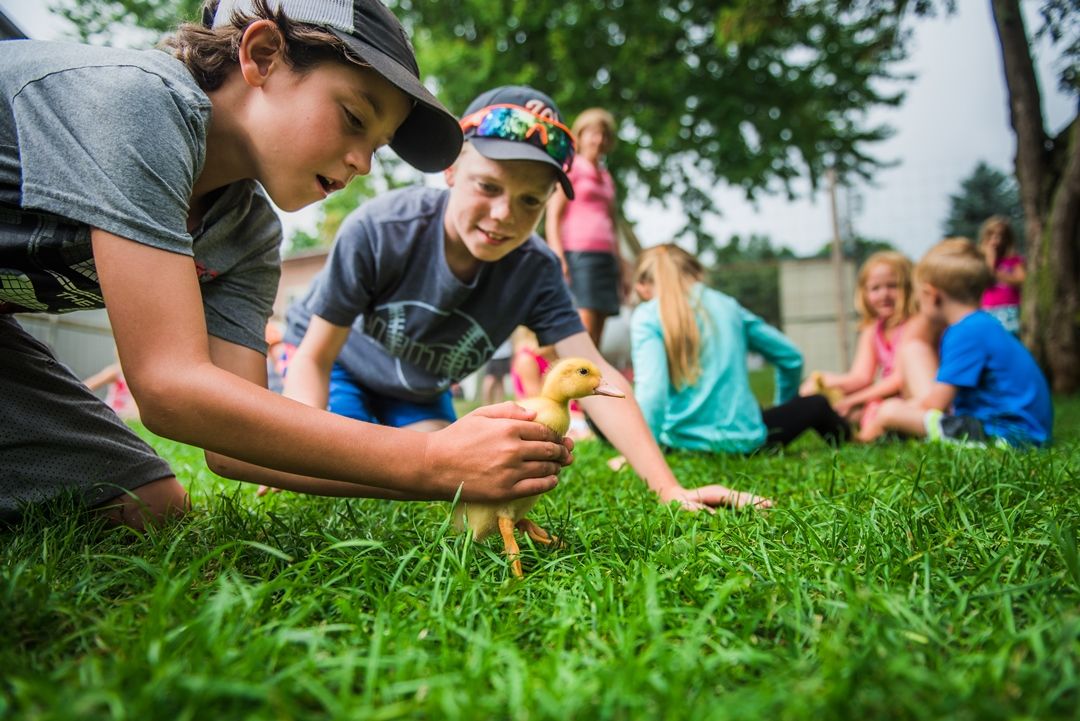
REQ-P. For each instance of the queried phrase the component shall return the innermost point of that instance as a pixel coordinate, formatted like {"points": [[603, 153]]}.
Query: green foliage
{"points": [[747, 272], [857, 249], [387, 173], [1061, 24], [754, 93], [987, 191], [901, 581], [126, 22]]}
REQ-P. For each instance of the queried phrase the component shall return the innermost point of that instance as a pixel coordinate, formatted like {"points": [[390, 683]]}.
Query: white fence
{"points": [[82, 340], [808, 302]]}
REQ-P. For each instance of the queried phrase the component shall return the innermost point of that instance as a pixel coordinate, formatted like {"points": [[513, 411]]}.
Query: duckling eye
{"points": [[583, 371]]}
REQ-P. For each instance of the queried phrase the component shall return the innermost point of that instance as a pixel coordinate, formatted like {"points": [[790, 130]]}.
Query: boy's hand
{"points": [[496, 453], [707, 498]]}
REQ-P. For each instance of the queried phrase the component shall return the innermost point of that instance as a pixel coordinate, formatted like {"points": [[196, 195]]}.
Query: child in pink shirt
{"points": [[1002, 298]]}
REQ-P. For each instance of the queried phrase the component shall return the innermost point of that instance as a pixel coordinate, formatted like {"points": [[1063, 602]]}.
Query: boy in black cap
{"points": [[423, 284], [131, 180]]}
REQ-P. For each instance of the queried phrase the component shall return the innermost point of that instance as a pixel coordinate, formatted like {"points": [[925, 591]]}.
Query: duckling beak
{"points": [[606, 389]]}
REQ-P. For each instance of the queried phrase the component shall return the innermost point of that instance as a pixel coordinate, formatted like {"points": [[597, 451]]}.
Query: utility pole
{"points": [[838, 275]]}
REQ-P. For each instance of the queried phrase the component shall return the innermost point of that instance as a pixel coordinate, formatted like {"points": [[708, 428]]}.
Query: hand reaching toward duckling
{"points": [[708, 498], [570, 379]]}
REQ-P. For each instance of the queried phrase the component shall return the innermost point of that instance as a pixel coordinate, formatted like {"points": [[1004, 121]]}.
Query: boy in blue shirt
{"points": [[988, 387]]}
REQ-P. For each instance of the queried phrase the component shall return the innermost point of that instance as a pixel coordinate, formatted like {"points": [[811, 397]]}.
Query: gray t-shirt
{"points": [[109, 138], [416, 327]]}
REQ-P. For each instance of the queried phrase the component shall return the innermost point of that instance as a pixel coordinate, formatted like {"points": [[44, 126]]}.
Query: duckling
{"points": [[569, 379], [832, 394]]}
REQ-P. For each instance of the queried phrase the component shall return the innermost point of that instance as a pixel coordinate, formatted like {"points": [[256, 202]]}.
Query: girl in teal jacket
{"points": [[689, 345]]}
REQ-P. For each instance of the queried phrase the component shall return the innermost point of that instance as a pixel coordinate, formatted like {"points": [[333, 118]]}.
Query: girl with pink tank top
{"points": [[1002, 299], [886, 302]]}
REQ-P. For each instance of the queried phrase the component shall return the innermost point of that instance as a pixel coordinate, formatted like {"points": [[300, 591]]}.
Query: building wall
{"points": [[82, 341], [296, 275], [808, 311]]}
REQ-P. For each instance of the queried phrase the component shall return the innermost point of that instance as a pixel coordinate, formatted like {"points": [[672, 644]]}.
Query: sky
{"points": [[955, 114]]}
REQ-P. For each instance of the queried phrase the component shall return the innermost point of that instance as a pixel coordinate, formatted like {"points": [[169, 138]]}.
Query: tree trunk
{"points": [[1061, 238], [1050, 195]]}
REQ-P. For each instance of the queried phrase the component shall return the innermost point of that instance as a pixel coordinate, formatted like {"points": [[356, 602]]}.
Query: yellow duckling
{"points": [[833, 394], [570, 379]]}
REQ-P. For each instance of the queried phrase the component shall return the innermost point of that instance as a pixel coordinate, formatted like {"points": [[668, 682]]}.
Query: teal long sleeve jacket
{"points": [[718, 412]]}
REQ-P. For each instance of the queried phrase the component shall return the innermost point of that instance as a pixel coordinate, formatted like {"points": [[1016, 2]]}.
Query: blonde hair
{"points": [[211, 53], [672, 272], [1008, 239], [901, 265], [596, 116], [956, 268]]}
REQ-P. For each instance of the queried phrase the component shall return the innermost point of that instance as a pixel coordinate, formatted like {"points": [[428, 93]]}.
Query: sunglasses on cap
{"points": [[513, 122]]}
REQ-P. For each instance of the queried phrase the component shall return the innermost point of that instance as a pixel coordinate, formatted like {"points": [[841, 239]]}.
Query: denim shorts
{"points": [[349, 399]]}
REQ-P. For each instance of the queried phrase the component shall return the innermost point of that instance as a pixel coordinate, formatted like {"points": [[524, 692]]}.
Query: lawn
{"points": [[898, 581]]}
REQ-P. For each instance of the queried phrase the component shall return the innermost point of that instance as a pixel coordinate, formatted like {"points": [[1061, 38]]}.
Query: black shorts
{"points": [[594, 281], [56, 437]]}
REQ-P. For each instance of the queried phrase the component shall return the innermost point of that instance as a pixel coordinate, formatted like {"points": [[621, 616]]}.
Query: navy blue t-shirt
{"points": [[996, 379], [416, 327]]}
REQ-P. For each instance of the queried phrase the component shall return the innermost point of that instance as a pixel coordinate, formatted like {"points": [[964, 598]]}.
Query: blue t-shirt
{"points": [[996, 379], [416, 327]]}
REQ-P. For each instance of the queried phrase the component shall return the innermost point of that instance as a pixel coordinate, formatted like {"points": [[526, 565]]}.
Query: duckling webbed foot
{"points": [[506, 530], [538, 534]]}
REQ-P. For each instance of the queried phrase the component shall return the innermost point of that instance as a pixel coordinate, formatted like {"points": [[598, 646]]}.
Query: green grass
{"points": [[899, 581]]}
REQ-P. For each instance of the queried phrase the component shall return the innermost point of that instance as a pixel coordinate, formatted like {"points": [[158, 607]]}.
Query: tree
{"points": [[1048, 172], [756, 93], [753, 92], [748, 272], [131, 22], [858, 249], [987, 191]]}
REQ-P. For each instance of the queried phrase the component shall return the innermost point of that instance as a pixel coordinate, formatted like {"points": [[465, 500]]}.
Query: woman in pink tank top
{"points": [[582, 231]]}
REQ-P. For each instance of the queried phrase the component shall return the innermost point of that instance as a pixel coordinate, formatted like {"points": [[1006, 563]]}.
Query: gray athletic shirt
{"points": [[114, 139], [416, 327]]}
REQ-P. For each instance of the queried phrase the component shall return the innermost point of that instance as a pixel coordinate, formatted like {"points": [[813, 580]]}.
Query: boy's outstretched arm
{"points": [[155, 307], [624, 425]]}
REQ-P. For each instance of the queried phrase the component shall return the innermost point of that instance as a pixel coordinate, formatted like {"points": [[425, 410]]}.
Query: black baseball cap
{"points": [[430, 138], [537, 103]]}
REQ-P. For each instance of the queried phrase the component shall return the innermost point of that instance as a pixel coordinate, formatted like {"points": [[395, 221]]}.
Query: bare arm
{"points": [[624, 425], [156, 312], [1013, 275], [890, 385], [861, 373], [308, 377], [552, 231], [105, 376]]}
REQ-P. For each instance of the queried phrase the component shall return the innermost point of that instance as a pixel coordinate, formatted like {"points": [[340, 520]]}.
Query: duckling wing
{"points": [[555, 416]]}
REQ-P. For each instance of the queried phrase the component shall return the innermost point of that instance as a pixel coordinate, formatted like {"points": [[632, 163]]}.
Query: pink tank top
{"points": [[119, 398], [541, 363], [883, 349], [587, 225], [1000, 294]]}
